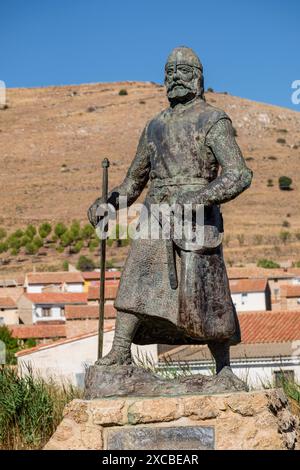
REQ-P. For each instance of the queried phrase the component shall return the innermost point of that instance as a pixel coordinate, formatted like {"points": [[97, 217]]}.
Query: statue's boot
{"points": [[220, 353], [120, 353]]}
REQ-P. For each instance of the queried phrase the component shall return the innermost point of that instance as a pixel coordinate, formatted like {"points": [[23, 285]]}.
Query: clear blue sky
{"points": [[249, 48]]}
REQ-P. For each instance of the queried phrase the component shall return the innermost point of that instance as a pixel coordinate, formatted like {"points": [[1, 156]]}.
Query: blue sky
{"points": [[248, 47]]}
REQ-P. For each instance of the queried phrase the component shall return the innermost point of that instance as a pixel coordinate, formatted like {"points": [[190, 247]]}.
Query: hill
{"points": [[52, 141]]}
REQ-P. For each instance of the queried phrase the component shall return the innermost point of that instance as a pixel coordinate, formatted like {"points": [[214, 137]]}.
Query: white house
{"points": [[65, 281], [66, 360], [47, 306], [250, 294], [270, 348]]}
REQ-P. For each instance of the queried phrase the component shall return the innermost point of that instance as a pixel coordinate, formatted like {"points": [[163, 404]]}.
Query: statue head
{"points": [[183, 76]]}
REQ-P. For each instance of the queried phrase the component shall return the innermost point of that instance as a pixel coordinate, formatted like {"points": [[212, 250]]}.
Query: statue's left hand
{"points": [[92, 213]]}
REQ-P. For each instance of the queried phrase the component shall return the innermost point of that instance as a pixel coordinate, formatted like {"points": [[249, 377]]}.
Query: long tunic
{"points": [[180, 152]]}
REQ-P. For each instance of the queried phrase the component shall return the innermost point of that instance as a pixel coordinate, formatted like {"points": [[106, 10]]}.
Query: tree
{"points": [[60, 228], [11, 344], [285, 183], [45, 229], [85, 264], [30, 231]]}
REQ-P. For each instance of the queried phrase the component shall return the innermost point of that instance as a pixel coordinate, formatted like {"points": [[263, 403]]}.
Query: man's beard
{"points": [[180, 91]]}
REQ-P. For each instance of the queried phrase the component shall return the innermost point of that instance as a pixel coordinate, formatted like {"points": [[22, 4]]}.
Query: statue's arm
{"points": [[137, 175], [133, 184], [235, 176]]}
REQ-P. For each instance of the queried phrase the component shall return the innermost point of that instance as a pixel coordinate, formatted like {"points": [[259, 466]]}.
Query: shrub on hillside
{"points": [[31, 248], [85, 264], [60, 229], [285, 183], [45, 229], [123, 92], [30, 231], [3, 247], [267, 263]]}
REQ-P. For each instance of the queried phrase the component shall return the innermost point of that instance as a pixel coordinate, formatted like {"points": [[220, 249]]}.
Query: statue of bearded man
{"points": [[172, 291]]}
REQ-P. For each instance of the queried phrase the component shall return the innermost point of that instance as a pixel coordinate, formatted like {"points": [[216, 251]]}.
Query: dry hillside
{"points": [[52, 141]]}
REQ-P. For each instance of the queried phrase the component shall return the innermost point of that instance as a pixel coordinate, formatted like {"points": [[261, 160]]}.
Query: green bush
{"points": [[74, 230], [270, 183], [3, 247], [65, 265], [66, 239], [78, 246], [31, 248], [45, 229], [87, 232], [18, 233], [123, 92], [24, 240], [267, 263], [14, 251], [3, 233], [14, 242], [93, 244], [11, 345], [60, 229], [285, 183], [85, 264], [30, 231], [60, 249], [38, 241]]}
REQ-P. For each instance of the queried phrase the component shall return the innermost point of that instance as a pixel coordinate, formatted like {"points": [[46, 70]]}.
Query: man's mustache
{"points": [[174, 84]]}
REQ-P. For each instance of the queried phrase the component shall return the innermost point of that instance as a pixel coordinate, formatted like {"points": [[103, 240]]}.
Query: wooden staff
{"points": [[105, 165]]}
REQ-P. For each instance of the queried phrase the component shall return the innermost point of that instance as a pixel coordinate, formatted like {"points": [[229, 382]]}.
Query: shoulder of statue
{"points": [[210, 115], [154, 122]]}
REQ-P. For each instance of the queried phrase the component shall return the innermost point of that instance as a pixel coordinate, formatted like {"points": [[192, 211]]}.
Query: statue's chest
{"points": [[178, 146]]}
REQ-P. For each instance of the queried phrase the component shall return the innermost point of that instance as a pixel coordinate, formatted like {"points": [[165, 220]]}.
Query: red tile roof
{"points": [[38, 331], [270, 327], [77, 312], [95, 275], [24, 352], [54, 277], [290, 291], [110, 291], [248, 285], [7, 302], [58, 298], [255, 272]]}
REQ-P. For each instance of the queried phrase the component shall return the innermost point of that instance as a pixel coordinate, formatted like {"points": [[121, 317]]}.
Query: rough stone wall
{"points": [[256, 420]]}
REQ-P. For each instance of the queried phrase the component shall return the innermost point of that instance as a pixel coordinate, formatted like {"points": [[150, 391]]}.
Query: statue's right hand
{"points": [[94, 212]]}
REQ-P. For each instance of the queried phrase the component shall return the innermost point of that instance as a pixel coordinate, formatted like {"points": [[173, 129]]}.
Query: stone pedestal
{"points": [[240, 420]]}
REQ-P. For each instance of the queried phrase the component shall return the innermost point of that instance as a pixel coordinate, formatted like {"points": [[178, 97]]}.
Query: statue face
{"points": [[181, 81]]}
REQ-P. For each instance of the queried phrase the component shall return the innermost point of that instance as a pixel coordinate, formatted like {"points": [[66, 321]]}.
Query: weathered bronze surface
{"points": [[171, 292]]}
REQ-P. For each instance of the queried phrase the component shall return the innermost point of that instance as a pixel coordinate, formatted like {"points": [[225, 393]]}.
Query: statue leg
{"points": [[120, 353], [220, 353]]}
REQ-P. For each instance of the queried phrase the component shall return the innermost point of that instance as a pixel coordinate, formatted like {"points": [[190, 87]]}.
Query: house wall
{"points": [[34, 288], [67, 361], [9, 316], [25, 309], [56, 313], [256, 373], [74, 287], [251, 301]]}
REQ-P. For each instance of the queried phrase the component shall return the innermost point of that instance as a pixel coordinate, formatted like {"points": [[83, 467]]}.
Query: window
{"points": [[283, 375], [46, 312]]}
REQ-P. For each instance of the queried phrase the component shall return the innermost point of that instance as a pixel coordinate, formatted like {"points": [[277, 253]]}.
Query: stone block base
{"points": [[240, 420]]}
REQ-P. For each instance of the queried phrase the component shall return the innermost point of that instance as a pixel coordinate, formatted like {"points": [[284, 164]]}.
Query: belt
{"points": [[160, 183]]}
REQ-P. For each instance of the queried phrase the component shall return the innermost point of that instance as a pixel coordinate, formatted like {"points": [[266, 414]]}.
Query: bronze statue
{"points": [[170, 292]]}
